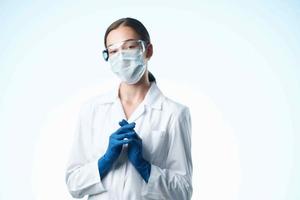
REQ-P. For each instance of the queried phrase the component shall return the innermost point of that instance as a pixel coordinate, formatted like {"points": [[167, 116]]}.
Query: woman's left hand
{"points": [[135, 154]]}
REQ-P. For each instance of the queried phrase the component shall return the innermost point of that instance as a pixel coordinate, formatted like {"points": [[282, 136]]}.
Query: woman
{"points": [[133, 142]]}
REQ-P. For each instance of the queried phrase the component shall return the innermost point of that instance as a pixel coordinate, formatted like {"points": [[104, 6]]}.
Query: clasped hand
{"points": [[125, 135]]}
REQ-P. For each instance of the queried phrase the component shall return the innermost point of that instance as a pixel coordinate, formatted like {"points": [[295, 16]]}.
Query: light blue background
{"points": [[243, 55]]}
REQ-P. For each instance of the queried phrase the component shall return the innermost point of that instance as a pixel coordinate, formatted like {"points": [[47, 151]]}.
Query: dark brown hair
{"points": [[138, 27]]}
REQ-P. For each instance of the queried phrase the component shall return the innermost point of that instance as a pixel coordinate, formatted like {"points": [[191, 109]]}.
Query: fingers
{"points": [[129, 135], [123, 122], [124, 135], [121, 142], [126, 128], [135, 141]]}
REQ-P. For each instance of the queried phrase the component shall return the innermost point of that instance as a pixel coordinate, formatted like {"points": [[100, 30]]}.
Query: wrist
{"points": [[144, 169], [104, 165]]}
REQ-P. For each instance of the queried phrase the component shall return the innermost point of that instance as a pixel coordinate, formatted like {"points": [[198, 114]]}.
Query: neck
{"points": [[134, 93]]}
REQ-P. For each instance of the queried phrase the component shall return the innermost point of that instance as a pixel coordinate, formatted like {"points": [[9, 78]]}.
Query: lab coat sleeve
{"points": [[175, 181], [82, 176]]}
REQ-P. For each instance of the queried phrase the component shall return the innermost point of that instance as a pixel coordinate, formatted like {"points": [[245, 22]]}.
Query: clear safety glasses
{"points": [[127, 45]]}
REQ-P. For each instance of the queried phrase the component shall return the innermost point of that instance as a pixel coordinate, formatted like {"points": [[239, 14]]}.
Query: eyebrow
{"points": [[121, 41]]}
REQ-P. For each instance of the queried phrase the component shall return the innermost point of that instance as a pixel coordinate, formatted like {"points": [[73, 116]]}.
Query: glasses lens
{"points": [[126, 45]]}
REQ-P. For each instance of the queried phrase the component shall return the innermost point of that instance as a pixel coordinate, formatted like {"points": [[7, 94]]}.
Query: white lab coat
{"points": [[165, 129]]}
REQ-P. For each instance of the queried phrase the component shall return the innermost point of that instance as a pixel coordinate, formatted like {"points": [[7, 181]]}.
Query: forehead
{"points": [[120, 34]]}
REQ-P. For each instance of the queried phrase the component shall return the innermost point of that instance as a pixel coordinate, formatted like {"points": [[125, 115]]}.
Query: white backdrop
{"points": [[236, 65]]}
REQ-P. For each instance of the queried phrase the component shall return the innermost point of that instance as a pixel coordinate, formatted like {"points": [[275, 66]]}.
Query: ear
{"points": [[149, 51]]}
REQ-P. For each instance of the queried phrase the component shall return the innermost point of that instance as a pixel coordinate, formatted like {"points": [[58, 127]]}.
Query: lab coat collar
{"points": [[153, 98]]}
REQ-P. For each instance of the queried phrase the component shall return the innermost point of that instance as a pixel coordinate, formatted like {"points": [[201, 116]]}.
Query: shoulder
{"points": [[178, 114], [97, 100], [174, 107], [175, 110]]}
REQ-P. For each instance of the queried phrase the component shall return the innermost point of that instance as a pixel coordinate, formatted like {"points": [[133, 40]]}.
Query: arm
{"points": [[82, 175], [174, 182]]}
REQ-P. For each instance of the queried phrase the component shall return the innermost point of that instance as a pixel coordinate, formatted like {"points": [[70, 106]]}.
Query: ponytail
{"points": [[151, 77]]}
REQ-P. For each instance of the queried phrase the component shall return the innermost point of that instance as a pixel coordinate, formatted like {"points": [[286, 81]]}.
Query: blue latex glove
{"points": [[135, 153], [116, 141]]}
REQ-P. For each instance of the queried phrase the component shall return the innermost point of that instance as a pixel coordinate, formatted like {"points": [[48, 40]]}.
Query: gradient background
{"points": [[234, 63]]}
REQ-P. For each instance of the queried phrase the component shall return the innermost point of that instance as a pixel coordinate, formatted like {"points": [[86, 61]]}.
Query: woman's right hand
{"points": [[116, 141]]}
